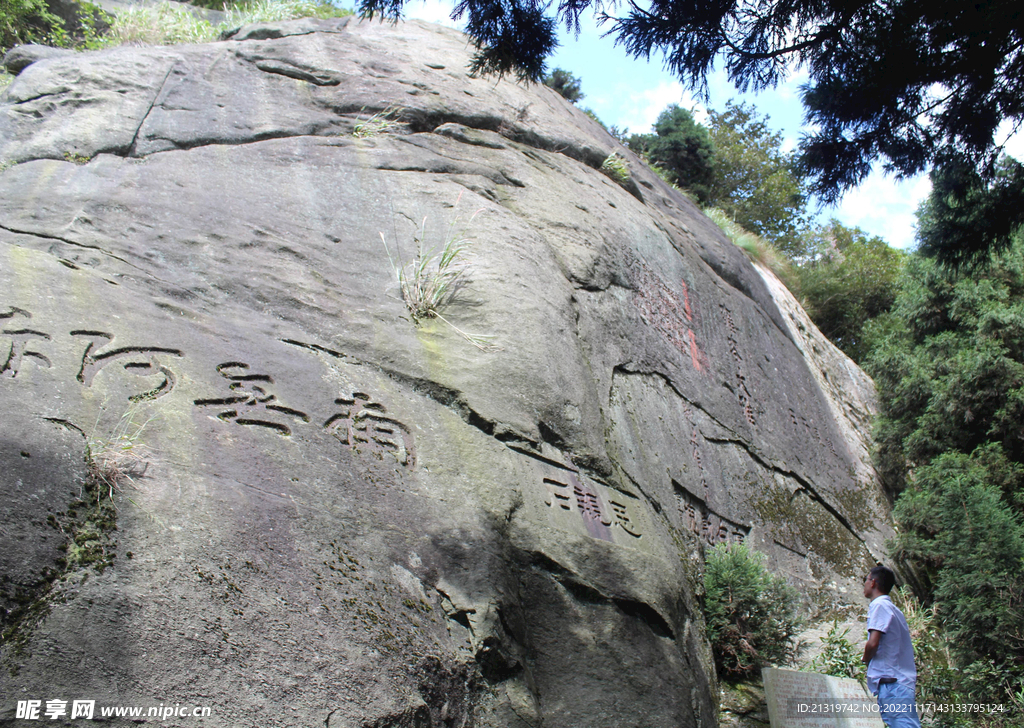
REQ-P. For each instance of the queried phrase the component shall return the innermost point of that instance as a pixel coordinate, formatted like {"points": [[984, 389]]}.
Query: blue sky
{"points": [[630, 93]]}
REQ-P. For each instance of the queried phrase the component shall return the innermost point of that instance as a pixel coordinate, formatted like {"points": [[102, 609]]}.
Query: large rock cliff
{"points": [[337, 514]]}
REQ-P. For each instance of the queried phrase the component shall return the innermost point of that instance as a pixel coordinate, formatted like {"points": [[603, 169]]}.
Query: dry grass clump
{"points": [[757, 248], [432, 279], [163, 24], [173, 23], [119, 458], [273, 11], [383, 122]]}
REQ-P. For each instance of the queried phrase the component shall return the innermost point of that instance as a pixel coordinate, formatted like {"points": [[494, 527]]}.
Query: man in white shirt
{"points": [[889, 654]]}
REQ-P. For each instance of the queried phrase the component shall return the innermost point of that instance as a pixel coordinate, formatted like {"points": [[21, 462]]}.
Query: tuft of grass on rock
{"points": [[615, 167], [120, 457], [383, 122], [757, 248], [430, 282], [76, 158]]}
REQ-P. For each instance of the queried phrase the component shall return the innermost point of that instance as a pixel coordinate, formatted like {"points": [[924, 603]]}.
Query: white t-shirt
{"points": [[895, 656]]}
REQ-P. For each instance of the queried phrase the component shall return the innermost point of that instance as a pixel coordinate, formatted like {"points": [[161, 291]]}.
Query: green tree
{"points": [[949, 367], [967, 217], [565, 84], [681, 147], [754, 181], [847, 278], [911, 83], [957, 524], [751, 614]]}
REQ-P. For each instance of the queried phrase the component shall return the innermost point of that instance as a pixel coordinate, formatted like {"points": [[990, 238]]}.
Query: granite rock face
{"points": [[340, 515]]}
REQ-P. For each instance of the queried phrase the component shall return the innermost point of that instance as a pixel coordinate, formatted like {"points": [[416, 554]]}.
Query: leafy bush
{"points": [[751, 614], [846, 279], [839, 657], [26, 21]]}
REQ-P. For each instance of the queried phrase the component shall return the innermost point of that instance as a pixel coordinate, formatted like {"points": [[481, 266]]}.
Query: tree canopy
{"points": [[917, 84], [682, 148], [735, 164], [566, 84], [847, 278], [754, 181], [949, 367]]}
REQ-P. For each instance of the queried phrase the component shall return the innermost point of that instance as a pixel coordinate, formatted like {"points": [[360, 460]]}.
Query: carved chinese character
{"points": [[251, 402], [558, 492], [363, 423], [10, 364], [620, 518], [588, 504], [723, 532], [137, 360], [708, 529]]}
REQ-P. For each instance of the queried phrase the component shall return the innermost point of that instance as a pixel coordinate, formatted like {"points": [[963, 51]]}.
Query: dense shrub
{"points": [[846, 279], [839, 657], [942, 681], [26, 21], [751, 614]]}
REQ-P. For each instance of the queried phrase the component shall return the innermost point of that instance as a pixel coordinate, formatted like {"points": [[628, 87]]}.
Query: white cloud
{"points": [[432, 11], [637, 110], [1013, 143], [789, 90], [885, 207]]}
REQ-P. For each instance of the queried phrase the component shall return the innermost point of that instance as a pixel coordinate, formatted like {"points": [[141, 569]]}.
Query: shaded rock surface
{"points": [[743, 705], [347, 517]]}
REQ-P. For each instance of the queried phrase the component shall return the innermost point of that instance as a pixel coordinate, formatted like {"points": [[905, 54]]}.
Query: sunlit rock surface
{"points": [[338, 515]]}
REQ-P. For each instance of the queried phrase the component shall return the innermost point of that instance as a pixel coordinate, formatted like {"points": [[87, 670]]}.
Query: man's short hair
{"points": [[884, 578]]}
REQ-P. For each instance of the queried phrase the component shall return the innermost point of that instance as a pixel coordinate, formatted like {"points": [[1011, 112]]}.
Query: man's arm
{"points": [[874, 637]]}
